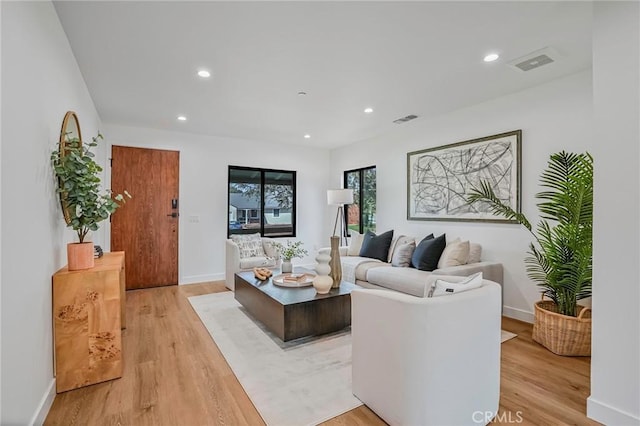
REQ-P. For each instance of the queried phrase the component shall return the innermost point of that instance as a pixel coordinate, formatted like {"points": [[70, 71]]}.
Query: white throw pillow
{"points": [[475, 250], [250, 245], [456, 253], [270, 249], [444, 288], [402, 254], [355, 244]]}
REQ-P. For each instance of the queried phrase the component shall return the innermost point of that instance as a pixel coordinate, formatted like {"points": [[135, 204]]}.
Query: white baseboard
{"points": [[518, 314], [609, 415], [197, 279], [45, 404]]}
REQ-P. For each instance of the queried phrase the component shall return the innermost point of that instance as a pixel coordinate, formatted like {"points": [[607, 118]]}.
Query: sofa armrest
{"points": [[327, 250], [490, 271], [232, 263]]}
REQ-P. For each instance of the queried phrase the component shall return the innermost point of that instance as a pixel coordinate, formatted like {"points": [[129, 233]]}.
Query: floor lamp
{"points": [[340, 197]]}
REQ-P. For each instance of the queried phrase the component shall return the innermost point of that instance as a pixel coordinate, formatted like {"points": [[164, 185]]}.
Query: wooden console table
{"points": [[88, 314]]}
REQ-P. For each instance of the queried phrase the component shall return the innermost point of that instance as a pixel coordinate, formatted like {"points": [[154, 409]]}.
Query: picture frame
{"points": [[439, 179]]}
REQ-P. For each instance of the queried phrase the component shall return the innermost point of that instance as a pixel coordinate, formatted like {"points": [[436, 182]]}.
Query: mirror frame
{"points": [[62, 146]]}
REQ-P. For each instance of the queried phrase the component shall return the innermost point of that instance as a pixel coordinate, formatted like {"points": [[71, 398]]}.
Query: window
{"points": [[361, 215], [262, 200]]}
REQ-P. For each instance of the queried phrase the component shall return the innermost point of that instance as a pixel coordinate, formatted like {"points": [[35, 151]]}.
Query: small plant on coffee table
{"points": [[291, 250]]}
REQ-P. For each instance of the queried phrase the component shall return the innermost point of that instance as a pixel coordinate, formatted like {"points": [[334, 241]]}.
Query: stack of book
{"points": [[97, 252], [295, 278]]}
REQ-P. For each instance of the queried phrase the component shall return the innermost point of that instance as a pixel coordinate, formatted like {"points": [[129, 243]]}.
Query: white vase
{"points": [[287, 266], [323, 282], [323, 268]]}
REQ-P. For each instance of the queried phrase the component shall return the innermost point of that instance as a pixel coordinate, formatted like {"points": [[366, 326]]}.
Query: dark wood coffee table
{"points": [[291, 313]]}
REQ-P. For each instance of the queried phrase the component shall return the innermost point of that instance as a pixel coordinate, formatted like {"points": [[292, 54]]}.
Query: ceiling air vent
{"points": [[535, 59], [405, 119]]}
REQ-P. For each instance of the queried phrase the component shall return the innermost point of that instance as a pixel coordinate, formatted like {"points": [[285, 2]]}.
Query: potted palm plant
{"points": [[84, 203], [560, 256]]}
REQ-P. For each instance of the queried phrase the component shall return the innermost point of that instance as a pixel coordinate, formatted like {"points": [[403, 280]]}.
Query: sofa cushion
{"points": [[475, 251], [427, 253], [444, 287], [405, 280], [376, 246], [402, 254], [257, 261], [355, 244], [250, 245], [456, 253]]}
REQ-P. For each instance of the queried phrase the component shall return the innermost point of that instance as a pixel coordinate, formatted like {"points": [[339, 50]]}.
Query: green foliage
{"points": [[365, 182], [281, 194], [560, 259], [291, 250], [79, 187]]}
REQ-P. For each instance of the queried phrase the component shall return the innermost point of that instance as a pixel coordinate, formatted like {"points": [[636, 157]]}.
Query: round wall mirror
{"points": [[69, 134]]}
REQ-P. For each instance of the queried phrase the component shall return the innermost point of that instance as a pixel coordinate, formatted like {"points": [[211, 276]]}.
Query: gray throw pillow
{"points": [[402, 255]]}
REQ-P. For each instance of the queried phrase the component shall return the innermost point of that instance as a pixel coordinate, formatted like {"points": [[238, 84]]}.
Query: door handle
{"points": [[174, 215]]}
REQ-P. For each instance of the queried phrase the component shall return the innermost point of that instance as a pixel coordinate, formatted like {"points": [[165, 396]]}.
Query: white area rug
{"points": [[301, 383], [506, 335]]}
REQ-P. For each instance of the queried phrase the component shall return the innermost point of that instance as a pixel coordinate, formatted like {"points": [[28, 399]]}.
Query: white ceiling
{"points": [[139, 60]]}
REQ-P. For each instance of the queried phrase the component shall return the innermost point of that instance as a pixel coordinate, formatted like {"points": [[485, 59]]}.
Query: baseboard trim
{"points": [[609, 415], [518, 314], [197, 279], [45, 405]]}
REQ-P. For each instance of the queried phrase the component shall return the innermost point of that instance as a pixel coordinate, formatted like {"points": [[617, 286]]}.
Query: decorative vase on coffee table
{"points": [[287, 266], [323, 282], [334, 263]]}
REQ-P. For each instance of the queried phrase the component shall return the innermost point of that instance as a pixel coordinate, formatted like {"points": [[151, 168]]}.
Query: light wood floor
{"points": [[174, 374]]}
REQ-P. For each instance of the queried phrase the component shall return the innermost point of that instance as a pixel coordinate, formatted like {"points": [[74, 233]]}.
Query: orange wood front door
{"points": [[146, 228]]}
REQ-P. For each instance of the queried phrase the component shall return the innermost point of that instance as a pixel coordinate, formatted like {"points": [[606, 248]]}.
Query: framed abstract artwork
{"points": [[439, 179]]}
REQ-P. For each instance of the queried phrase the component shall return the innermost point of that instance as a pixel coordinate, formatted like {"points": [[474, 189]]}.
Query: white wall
{"points": [[615, 361], [553, 117], [204, 162], [40, 82]]}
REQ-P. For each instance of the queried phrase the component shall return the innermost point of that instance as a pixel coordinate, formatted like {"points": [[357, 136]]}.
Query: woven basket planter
{"points": [[562, 334]]}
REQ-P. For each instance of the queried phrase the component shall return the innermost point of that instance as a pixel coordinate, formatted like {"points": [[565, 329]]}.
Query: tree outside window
{"points": [[261, 200], [361, 215]]}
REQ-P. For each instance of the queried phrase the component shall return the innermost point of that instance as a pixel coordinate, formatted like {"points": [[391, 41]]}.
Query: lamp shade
{"points": [[338, 197]]}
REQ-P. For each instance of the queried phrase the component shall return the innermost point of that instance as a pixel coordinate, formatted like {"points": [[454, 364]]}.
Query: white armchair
{"points": [[428, 361], [234, 263]]}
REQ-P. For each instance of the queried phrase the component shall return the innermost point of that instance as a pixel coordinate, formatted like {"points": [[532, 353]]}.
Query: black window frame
{"points": [[261, 202], [360, 171]]}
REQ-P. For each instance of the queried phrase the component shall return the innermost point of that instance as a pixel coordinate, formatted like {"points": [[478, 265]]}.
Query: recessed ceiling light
{"points": [[307, 136], [182, 118], [204, 73], [301, 93], [368, 110], [491, 57]]}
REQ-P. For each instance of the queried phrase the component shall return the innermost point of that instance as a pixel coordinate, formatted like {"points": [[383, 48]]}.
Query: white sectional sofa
{"points": [[373, 273]]}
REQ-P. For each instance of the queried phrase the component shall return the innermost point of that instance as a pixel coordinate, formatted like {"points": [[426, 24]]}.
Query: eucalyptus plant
{"points": [[84, 202], [560, 257], [291, 250]]}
